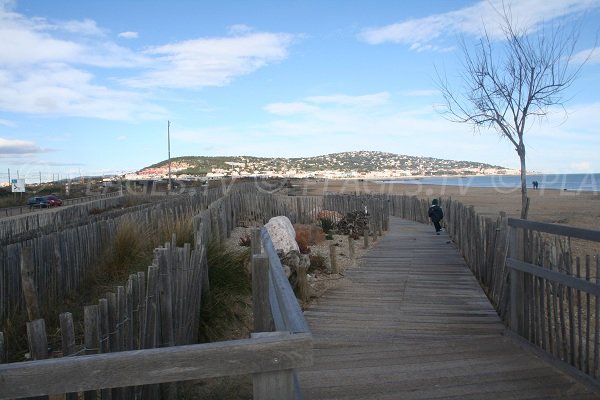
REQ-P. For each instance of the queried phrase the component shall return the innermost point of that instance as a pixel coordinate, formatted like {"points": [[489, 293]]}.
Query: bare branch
{"points": [[506, 84]]}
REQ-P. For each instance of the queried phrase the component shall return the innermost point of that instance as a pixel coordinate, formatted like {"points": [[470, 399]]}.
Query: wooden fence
{"points": [[557, 303], [540, 292], [64, 257], [554, 300], [168, 316]]}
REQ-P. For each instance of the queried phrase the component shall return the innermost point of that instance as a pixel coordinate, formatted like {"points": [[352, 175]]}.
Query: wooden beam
{"points": [[294, 321], [580, 233], [553, 276], [142, 367]]}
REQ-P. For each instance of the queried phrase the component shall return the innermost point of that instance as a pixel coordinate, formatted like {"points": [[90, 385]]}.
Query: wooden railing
{"points": [[556, 305], [525, 269], [271, 357], [260, 355]]}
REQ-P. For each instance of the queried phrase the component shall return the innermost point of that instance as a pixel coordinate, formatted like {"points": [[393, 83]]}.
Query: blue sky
{"points": [[87, 87]]}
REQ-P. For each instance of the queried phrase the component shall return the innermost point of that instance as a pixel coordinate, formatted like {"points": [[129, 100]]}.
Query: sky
{"points": [[89, 87]]}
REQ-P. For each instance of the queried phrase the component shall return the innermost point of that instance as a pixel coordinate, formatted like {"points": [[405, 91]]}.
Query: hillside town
{"points": [[348, 165]]}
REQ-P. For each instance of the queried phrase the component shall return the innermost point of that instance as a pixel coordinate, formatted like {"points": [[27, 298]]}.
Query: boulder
{"points": [[282, 235]]}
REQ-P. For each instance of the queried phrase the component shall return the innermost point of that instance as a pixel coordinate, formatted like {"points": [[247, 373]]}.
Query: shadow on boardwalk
{"points": [[413, 323]]}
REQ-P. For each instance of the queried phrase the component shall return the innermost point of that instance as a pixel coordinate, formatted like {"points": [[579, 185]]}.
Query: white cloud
{"points": [[58, 89], [314, 104], [7, 123], [591, 56], [583, 166], [368, 100], [86, 27], [11, 147], [240, 29], [211, 61], [421, 93], [290, 108], [427, 33], [129, 35]]}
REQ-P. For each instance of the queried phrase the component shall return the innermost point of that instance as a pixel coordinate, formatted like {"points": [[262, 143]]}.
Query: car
{"points": [[38, 201], [53, 201]]}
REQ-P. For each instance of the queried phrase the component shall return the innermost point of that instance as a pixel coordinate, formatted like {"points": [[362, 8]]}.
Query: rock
{"points": [[291, 259], [287, 271], [282, 235]]}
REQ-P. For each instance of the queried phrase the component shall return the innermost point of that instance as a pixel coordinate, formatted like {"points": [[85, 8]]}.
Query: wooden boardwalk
{"points": [[413, 323]]}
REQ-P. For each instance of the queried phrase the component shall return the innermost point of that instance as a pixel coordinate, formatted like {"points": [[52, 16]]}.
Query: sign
{"points": [[18, 185]]}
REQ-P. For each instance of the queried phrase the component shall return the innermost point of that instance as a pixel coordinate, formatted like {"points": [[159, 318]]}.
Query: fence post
{"points": [[91, 317], [255, 241], [366, 236], [263, 321], [273, 385], [3, 357], [38, 344], [516, 284], [36, 337], [333, 259], [28, 284], [68, 342], [351, 247], [303, 289]]}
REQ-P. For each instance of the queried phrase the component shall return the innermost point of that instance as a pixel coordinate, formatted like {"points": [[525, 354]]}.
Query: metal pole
{"points": [[169, 151]]}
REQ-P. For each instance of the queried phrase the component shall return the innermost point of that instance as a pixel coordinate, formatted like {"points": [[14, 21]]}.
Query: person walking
{"points": [[436, 214]]}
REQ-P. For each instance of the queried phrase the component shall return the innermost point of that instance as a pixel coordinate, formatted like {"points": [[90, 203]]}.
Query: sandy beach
{"points": [[572, 208], [580, 209]]}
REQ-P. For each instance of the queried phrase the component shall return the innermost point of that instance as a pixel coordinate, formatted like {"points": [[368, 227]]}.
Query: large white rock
{"points": [[282, 234]]}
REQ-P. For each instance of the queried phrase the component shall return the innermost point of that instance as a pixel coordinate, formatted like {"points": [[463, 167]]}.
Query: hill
{"points": [[348, 164]]}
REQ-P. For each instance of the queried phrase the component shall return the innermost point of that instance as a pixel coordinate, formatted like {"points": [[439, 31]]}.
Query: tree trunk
{"points": [[524, 198]]}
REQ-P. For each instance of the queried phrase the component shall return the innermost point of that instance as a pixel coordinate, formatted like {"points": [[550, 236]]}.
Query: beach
{"points": [[573, 208]]}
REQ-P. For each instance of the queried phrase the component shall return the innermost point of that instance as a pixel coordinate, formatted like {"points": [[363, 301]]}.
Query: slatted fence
{"points": [[555, 299], [167, 316], [541, 291], [557, 315]]}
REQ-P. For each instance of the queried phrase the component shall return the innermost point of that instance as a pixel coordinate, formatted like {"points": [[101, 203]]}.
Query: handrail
{"points": [[553, 276], [562, 230], [151, 366], [286, 311]]}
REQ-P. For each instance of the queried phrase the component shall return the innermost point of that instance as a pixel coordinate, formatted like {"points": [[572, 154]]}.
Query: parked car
{"points": [[38, 201], [53, 200]]}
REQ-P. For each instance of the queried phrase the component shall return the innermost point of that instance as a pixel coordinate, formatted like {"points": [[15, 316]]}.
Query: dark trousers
{"points": [[437, 225]]}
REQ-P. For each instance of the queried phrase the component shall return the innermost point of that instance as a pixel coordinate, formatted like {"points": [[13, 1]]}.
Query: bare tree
{"points": [[507, 83]]}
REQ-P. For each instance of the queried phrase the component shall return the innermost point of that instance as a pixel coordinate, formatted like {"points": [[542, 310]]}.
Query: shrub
{"points": [[181, 225], [95, 211], [245, 241], [302, 240], [327, 224], [225, 308], [131, 250], [317, 262], [329, 237]]}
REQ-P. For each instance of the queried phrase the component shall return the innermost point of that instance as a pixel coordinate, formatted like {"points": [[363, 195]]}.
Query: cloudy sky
{"points": [[87, 87]]}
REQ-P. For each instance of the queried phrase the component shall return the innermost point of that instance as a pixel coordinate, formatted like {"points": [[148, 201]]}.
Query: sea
{"points": [[568, 182]]}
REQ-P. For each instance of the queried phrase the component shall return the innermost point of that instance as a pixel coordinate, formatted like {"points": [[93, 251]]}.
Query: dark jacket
{"points": [[435, 213]]}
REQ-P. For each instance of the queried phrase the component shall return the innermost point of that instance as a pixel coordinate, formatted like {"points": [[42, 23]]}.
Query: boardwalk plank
{"points": [[413, 323]]}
